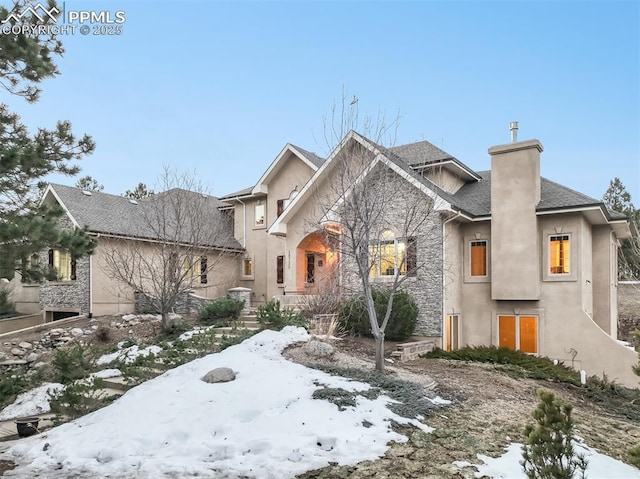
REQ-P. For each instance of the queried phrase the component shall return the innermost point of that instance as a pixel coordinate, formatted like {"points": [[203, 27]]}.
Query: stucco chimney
{"points": [[515, 193]]}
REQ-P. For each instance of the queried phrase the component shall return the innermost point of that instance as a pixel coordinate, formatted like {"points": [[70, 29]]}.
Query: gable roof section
{"points": [[310, 159], [425, 154], [107, 214], [381, 154]]}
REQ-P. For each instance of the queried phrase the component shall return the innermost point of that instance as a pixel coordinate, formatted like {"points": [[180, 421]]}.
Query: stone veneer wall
{"points": [[628, 309], [187, 303], [68, 295], [426, 287]]}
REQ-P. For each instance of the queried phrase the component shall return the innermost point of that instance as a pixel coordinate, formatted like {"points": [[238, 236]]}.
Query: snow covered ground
{"points": [[508, 465], [263, 425]]}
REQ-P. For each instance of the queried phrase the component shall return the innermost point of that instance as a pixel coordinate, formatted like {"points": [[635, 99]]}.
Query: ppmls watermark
{"points": [[39, 19]]}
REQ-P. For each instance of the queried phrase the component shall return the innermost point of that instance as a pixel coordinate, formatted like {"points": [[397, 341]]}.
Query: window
{"points": [[391, 255], [280, 269], [451, 332], [311, 268], [259, 214], [63, 263], [282, 204], [279, 208], [203, 270], [247, 268], [518, 332], [30, 267], [193, 269], [478, 256], [559, 254]]}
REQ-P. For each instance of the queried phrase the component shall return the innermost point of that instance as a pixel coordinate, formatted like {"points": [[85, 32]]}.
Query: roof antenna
{"points": [[513, 127]]}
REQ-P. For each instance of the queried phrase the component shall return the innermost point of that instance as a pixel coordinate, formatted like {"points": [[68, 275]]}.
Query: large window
{"points": [[203, 270], [63, 263], [559, 254], [196, 269], [518, 332], [478, 257], [391, 255]]}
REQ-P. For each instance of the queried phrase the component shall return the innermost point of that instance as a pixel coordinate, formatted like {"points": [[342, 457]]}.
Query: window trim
{"points": [[263, 223], [253, 267], [467, 258], [549, 233]]}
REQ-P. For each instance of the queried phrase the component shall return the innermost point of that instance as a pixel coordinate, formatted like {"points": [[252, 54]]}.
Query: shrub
{"points": [[548, 452], [7, 308], [271, 312], [404, 312], [75, 362], [11, 386], [103, 334], [221, 308], [512, 362], [633, 456], [79, 398]]}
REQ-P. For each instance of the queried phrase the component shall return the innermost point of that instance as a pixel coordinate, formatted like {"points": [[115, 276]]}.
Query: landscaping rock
{"points": [[219, 375], [318, 349], [77, 332], [2, 357], [18, 352], [128, 317], [31, 357], [25, 345]]}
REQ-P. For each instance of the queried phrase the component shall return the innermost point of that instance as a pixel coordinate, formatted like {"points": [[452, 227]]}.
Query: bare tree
{"points": [[383, 212], [182, 238]]}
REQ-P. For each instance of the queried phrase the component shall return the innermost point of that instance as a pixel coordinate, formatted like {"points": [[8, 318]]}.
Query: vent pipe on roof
{"points": [[513, 127]]}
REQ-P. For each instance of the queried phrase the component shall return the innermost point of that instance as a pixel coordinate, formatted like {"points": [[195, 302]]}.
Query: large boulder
{"points": [[318, 349], [219, 375]]}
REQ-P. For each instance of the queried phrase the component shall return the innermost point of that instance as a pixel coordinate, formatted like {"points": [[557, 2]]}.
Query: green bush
{"points": [[271, 312], [75, 362], [221, 308], [404, 312], [7, 308], [512, 362], [548, 452], [633, 456]]}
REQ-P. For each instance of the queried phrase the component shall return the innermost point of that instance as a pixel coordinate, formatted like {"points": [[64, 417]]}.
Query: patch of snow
{"points": [[508, 465], [626, 344], [106, 374], [439, 401], [265, 424], [128, 355], [190, 334], [31, 403]]}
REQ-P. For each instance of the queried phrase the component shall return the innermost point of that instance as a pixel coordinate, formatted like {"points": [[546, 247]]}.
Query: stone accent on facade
{"points": [[242, 294], [628, 309], [187, 303], [68, 295]]}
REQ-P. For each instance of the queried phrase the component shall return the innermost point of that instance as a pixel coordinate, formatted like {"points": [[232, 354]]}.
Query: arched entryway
{"points": [[317, 262]]}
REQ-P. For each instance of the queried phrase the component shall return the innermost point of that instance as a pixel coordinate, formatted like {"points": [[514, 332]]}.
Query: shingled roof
{"points": [[420, 153], [116, 215], [312, 157], [475, 198]]}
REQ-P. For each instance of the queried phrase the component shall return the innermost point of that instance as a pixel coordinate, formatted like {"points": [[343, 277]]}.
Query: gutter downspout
{"points": [[91, 286], [244, 221], [444, 260]]}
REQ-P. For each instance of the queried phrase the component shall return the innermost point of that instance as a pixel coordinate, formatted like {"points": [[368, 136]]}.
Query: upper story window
{"points": [[259, 214], [391, 255], [63, 263], [478, 258], [282, 204], [559, 254]]}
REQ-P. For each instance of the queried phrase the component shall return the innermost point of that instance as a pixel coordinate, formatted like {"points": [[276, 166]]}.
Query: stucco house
{"points": [[517, 260], [122, 225]]}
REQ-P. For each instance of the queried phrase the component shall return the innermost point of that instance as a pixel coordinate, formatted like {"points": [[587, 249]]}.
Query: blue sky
{"points": [[219, 88]]}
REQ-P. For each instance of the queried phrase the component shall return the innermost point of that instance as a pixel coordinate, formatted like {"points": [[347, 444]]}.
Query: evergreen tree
{"points": [[26, 59], [548, 452], [617, 198], [140, 191], [88, 183]]}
